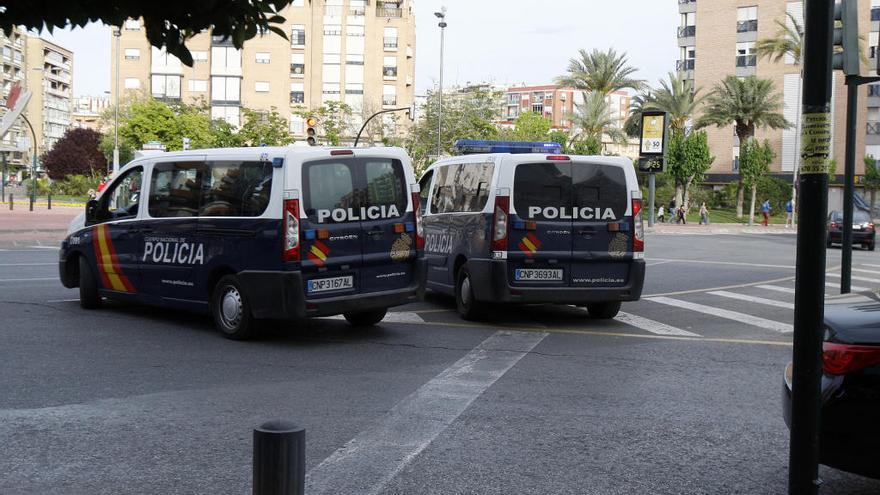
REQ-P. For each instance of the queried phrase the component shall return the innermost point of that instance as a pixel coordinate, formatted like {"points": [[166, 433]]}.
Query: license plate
{"points": [[538, 274], [857, 227], [327, 284]]}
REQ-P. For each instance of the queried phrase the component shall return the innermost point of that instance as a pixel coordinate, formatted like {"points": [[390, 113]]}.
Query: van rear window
{"points": [[354, 189], [544, 190]]}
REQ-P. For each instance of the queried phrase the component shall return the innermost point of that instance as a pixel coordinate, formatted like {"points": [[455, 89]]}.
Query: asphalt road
{"points": [[680, 395]]}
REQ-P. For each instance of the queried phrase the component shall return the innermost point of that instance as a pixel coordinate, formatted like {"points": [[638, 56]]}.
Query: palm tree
{"points": [[746, 103], [788, 41], [633, 124], [599, 71], [593, 119], [677, 98]]}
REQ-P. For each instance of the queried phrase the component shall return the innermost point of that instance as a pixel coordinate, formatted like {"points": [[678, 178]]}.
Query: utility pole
{"points": [[809, 299], [442, 16], [117, 32]]}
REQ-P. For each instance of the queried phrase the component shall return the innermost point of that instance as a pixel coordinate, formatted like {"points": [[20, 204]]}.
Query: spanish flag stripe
{"points": [[529, 244], [524, 249], [535, 241], [315, 259], [99, 259], [322, 247], [317, 252], [119, 281]]}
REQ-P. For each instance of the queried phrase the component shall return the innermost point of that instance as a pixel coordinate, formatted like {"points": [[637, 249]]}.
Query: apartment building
{"points": [[50, 78], [13, 47], [87, 111], [355, 51], [717, 38]]}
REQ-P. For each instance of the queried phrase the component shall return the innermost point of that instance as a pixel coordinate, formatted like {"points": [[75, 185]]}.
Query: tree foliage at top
{"points": [[263, 128], [334, 118], [789, 40], [754, 163], [688, 159], [747, 103], [76, 153], [676, 97], [593, 118], [529, 126], [600, 71], [167, 24]]}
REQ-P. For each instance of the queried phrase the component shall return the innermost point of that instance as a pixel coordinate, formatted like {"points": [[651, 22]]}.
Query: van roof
{"points": [[518, 158], [272, 151]]}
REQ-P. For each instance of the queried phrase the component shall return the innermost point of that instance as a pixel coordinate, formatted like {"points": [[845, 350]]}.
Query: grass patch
{"points": [[729, 216]]}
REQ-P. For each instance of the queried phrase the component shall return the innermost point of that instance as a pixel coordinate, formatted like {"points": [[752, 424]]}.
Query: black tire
{"points": [[828, 243], [603, 310], [365, 318], [468, 307], [231, 310], [88, 286], [871, 246]]}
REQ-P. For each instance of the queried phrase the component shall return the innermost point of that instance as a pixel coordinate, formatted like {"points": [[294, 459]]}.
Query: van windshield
{"points": [[544, 191], [354, 189]]}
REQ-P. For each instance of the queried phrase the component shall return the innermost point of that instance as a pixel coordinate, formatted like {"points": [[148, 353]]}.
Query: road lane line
{"points": [[733, 263], [27, 279], [62, 300], [874, 272], [44, 247], [753, 299], [659, 263], [375, 456], [776, 288], [651, 325], [854, 277], [390, 317], [755, 321], [869, 264]]}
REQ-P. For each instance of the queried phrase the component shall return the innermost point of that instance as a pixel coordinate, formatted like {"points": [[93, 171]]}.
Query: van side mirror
{"points": [[92, 211]]}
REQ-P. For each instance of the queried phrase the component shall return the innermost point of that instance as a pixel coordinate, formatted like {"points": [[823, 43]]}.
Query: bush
{"points": [[42, 186], [76, 185], [776, 190]]}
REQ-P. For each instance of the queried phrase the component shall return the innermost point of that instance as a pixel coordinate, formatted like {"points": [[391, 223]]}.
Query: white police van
{"points": [[530, 227], [254, 233]]}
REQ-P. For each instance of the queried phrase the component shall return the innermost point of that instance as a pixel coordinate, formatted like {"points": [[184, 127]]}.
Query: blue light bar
{"points": [[472, 146]]}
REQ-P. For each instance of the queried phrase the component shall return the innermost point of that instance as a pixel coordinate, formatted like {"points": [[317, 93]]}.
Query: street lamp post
{"points": [[117, 32], [33, 164], [442, 16]]}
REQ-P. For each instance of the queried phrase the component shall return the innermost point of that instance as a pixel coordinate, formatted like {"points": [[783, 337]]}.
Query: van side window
{"points": [[424, 190], [599, 186], [462, 188], [386, 184], [541, 185], [236, 189], [175, 189], [123, 199], [329, 186], [442, 199]]}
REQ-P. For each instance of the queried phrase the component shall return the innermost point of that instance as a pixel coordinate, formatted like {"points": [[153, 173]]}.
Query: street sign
{"points": [[15, 104], [153, 146], [652, 165], [653, 138]]}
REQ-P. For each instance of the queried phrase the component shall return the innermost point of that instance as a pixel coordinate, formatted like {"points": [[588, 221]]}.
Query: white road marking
{"points": [[62, 300], [776, 288], [734, 263], [776, 326], [753, 299], [27, 279], [854, 277], [45, 247], [28, 264], [869, 264], [651, 325], [875, 272], [659, 263], [851, 287], [391, 317], [375, 456]]}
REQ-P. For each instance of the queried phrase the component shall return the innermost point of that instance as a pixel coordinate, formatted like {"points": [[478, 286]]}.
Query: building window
{"points": [[357, 7], [873, 41], [261, 86], [165, 86], [298, 36], [229, 114], [746, 19], [354, 88], [297, 64], [389, 68], [132, 24], [389, 95], [688, 27], [225, 57], [297, 93], [163, 61], [263, 57], [132, 54], [513, 99], [225, 89], [198, 85], [132, 83], [332, 30], [390, 38], [199, 56], [296, 124], [354, 59], [538, 108], [746, 55]]}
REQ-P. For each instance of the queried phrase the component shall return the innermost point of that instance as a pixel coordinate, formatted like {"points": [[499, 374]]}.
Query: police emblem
{"points": [[618, 246], [401, 247]]}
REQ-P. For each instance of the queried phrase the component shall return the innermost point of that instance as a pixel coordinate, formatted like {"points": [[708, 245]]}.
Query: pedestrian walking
{"points": [[789, 214], [661, 214], [704, 214], [682, 214], [765, 210]]}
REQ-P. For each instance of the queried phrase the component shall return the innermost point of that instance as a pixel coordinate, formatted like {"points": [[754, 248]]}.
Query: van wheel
{"points": [[231, 310], [828, 243], [870, 246], [604, 310], [88, 286], [365, 318], [468, 307]]}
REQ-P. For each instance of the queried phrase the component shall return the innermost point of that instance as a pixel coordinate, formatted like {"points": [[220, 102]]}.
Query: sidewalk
{"points": [[717, 229], [22, 227]]}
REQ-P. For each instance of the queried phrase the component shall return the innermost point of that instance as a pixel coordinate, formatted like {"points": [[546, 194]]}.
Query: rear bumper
{"points": [[490, 284], [281, 295], [858, 237]]}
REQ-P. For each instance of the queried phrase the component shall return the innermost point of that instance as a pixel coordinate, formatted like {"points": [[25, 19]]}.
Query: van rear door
{"points": [[602, 237]]}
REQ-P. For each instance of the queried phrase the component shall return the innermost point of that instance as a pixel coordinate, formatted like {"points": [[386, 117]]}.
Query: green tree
{"points": [[788, 41], [529, 126], [754, 163], [334, 119], [561, 137], [76, 153], [466, 115], [259, 128], [168, 24], [676, 97], [600, 71], [633, 124], [746, 103], [871, 181], [593, 119], [688, 159]]}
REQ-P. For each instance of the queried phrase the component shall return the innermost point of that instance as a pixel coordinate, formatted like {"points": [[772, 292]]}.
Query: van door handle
{"points": [[145, 230], [376, 232], [586, 231]]}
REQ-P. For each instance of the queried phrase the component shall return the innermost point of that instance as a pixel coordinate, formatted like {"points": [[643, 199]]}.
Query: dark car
{"points": [[849, 434], [862, 233]]}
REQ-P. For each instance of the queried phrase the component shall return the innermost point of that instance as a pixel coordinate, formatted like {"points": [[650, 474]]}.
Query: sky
{"points": [[506, 42]]}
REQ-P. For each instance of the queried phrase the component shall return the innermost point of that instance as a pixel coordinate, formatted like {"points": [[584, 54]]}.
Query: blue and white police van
{"points": [[254, 233], [523, 223]]}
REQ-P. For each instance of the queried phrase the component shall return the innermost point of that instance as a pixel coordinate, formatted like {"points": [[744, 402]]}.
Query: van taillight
{"points": [[840, 359], [638, 228], [420, 232], [291, 230], [499, 223]]}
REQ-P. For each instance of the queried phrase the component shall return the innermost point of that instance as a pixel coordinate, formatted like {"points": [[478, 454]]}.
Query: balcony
{"points": [[393, 12], [873, 128], [746, 60], [390, 44], [747, 26], [389, 72], [687, 6], [389, 100], [297, 70], [873, 90], [297, 97], [357, 11], [687, 31], [875, 13], [683, 65]]}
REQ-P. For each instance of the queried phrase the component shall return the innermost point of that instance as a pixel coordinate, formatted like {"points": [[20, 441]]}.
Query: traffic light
{"points": [[311, 131], [846, 37]]}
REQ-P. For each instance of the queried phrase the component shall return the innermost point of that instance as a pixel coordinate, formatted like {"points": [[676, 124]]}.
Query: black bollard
{"points": [[279, 458], [50, 201], [10, 201]]}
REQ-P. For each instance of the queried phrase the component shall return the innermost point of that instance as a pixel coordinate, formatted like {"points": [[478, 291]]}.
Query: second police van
{"points": [[253, 233], [513, 225]]}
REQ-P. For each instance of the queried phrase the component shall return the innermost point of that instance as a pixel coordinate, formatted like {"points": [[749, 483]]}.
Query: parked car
{"points": [[863, 229], [849, 434]]}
